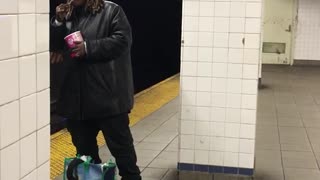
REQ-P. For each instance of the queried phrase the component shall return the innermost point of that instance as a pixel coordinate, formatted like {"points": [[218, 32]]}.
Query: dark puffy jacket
{"points": [[101, 84]]}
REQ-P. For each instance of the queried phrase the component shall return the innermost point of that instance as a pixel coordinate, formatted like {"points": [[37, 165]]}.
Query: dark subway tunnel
{"points": [[156, 30]]}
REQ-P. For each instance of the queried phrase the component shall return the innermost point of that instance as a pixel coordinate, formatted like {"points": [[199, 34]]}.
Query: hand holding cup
{"points": [[76, 43]]}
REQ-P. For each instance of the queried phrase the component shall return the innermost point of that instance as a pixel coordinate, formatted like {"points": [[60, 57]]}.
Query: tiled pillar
{"points": [[24, 90], [219, 78]]}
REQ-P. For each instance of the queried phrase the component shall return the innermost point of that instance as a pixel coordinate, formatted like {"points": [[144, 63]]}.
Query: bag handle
{"points": [[72, 169]]}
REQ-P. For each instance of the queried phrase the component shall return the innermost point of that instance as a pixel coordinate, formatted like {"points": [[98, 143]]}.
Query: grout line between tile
{"points": [[310, 143], [276, 110]]}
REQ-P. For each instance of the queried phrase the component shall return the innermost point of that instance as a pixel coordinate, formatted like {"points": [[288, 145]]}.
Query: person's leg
{"points": [[120, 143], [84, 138]]}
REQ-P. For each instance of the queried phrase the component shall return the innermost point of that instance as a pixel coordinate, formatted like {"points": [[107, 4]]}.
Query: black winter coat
{"points": [[100, 84]]}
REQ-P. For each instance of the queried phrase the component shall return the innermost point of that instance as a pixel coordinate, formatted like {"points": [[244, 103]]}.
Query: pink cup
{"points": [[76, 36]]}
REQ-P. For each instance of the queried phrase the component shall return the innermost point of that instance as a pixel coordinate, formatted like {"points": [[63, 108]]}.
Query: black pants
{"points": [[118, 137]]}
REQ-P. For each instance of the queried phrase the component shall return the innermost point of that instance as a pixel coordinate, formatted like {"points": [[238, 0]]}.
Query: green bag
{"points": [[81, 168]]}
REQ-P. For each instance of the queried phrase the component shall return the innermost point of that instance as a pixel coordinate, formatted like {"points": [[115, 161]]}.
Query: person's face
{"points": [[79, 2]]}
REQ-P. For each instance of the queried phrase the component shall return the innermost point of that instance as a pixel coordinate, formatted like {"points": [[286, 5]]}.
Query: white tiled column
{"points": [[219, 79], [24, 90]]}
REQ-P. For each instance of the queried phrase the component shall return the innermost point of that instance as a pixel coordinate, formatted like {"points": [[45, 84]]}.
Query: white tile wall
{"points": [[43, 172], [202, 143], [189, 83], [27, 74], [188, 113], [237, 25], [9, 28], [235, 70], [9, 80], [221, 24], [43, 74], [235, 40], [190, 54], [237, 9], [205, 54], [248, 116], [233, 100], [219, 99], [231, 159], [217, 143], [231, 145], [253, 25], [204, 84], [43, 108], [187, 141], [187, 127], [220, 60], [9, 158], [222, 9], [204, 69], [219, 85], [219, 70], [235, 55], [9, 8], [201, 157], [191, 23], [28, 115], [216, 158], [24, 92], [206, 24], [246, 160], [220, 54], [42, 7], [252, 41], [42, 30], [307, 40], [253, 9], [246, 146], [31, 176], [187, 156], [9, 121], [218, 114], [251, 56], [27, 6], [205, 39], [217, 129], [221, 40], [206, 8], [233, 115], [28, 151], [203, 114], [249, 86], [27, 34], [43, 145]]}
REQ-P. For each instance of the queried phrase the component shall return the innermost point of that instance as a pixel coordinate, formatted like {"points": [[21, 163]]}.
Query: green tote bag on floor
{"points": [[81, 168]]}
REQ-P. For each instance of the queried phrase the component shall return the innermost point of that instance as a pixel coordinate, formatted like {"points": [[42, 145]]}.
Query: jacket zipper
{"points": [[75, 28]]}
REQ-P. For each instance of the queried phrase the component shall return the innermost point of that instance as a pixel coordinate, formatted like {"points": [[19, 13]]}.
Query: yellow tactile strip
{"points": [[146, 103]]}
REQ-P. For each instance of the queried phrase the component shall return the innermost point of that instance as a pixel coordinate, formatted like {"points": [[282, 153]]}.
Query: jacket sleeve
{"points": [[57, 34], [118, 42]]}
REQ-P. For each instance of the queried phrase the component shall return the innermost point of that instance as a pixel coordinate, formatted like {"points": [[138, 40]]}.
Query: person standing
{"points": [[97, 92]]}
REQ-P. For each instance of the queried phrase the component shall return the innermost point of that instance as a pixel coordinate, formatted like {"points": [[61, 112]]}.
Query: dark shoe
{"points": [[138, 177]]}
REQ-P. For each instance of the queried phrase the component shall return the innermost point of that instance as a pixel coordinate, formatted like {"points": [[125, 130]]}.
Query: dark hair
{"points": [[94, 6]]}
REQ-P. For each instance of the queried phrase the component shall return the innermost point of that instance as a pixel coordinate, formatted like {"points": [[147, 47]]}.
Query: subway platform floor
{"points": [[287, 136]]}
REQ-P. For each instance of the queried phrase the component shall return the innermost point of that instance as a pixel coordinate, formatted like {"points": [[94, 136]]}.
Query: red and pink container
{"points": [[76, 36]]}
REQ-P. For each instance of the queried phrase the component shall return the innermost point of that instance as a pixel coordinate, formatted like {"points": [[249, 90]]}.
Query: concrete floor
{"points": [[288, 130], [288, 127]]}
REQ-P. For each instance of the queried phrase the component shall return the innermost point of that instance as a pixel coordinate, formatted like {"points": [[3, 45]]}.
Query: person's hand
{"points": [[79, 49], [62, 11], [56, 57]]}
